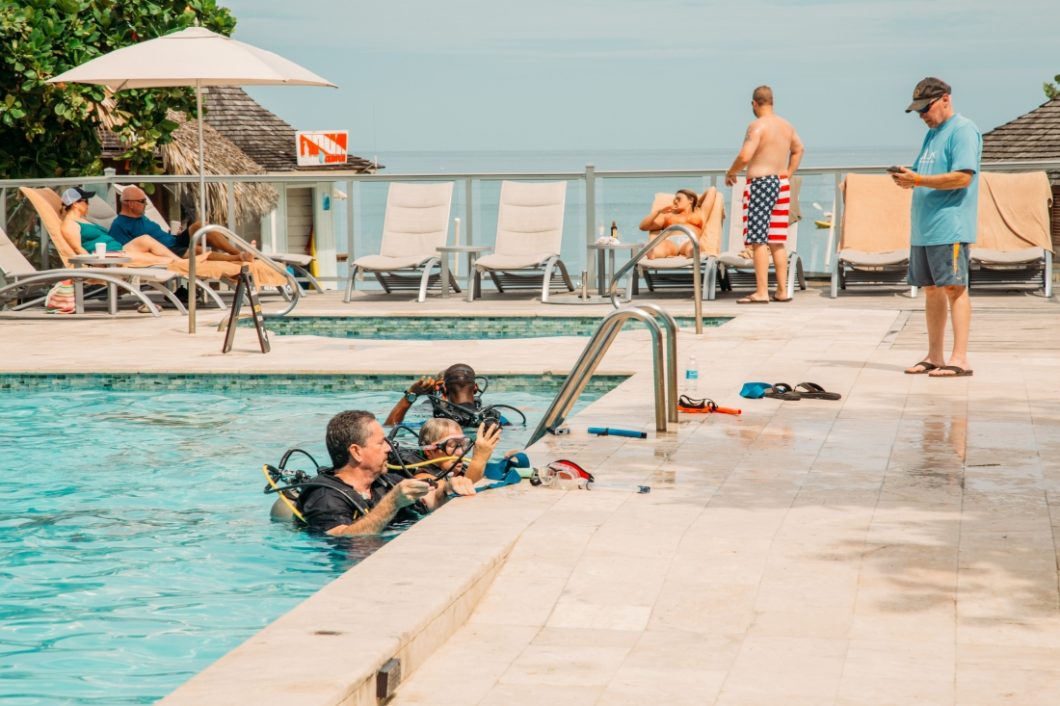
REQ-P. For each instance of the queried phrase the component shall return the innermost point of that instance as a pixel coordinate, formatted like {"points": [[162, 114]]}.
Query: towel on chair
{"points": [[1014, 211]]}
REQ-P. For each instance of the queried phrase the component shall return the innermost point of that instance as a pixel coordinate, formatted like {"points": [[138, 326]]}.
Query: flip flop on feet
{"points": [[778, 298], [950, 371], [921, 368], [752, 300]]}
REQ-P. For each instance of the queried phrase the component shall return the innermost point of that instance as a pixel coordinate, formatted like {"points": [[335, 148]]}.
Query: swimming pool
{"points": [[135, 544], [447, 327]]}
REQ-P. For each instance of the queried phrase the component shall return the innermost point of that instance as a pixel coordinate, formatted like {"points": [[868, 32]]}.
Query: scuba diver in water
{"points": [[444, 440], [455, 394], [356, 496]]}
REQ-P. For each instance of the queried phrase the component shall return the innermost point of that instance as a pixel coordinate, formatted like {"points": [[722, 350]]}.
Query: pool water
{"points": [[447, 327], [135, 544]]}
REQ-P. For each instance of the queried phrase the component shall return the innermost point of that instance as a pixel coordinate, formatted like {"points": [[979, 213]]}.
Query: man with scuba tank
{"points": [[456, 385], [358, 496]]}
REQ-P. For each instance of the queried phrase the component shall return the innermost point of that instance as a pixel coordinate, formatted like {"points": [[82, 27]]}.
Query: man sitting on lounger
{"points": [[131, 223], [683, 211]]}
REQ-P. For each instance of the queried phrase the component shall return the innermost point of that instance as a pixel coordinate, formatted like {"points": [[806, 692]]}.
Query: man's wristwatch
{"points": [[411, 396]]}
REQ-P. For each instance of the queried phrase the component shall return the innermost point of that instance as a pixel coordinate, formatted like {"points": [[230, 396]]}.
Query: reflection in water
{"points": [[943, 444]]}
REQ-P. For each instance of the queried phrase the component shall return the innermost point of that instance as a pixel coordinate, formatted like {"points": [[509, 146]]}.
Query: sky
{"points": [[484, 75]]}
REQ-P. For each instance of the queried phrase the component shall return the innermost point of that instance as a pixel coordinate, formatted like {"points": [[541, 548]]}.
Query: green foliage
{"points": [[51, 131], [1052, 90]]}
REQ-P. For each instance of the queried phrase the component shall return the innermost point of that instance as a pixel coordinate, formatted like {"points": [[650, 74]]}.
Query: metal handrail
{"points": [[240, 244], [664, 366], [697, 277]]}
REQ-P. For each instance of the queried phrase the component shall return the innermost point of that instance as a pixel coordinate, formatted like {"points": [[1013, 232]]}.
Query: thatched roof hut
{"points": [[1032, 136], [181, 156]]}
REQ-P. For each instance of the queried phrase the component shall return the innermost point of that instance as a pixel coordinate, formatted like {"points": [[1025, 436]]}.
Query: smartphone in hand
{"points": [[894, 170]]}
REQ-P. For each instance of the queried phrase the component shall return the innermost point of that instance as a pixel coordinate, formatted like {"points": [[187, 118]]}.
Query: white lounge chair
{"points": [[873, 246], [1013, 245], [416, 224], [737, 270], [676, 272], [23, 286], [529, 239]]}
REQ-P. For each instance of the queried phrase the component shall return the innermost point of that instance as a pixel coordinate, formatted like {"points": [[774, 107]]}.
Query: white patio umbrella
{"points": [[191, 57]]}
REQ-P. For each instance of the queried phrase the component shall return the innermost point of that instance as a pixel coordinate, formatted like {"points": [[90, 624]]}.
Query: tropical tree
{"points": [[54, 131], [1052, 90]]}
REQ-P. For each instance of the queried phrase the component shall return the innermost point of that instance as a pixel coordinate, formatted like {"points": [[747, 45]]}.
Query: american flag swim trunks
{"points": [[765, 210]]}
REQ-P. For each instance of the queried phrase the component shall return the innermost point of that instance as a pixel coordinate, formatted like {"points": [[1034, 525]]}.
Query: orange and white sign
{"points": [[321, 147]]}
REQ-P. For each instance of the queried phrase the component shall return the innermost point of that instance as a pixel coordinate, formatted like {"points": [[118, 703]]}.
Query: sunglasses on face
{"points": [[140, 201], [927, 107]]}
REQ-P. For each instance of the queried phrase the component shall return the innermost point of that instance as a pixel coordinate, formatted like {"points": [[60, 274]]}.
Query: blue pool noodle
{"points": [[610, 431]]}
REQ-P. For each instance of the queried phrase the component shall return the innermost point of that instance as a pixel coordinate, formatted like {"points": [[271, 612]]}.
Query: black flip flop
{"points": [[813, 391], [958, 372], [782, 391], [774, 297], [928, 367]]}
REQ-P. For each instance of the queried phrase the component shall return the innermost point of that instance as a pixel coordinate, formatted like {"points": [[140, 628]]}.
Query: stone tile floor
{"points": [[896, 547]]}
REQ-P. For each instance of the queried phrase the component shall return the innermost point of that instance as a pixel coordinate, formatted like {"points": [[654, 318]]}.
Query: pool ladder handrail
{"points": [[697, 276], [239, 244], [665, 366]]}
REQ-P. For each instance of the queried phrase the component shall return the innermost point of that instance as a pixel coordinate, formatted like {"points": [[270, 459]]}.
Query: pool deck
{"points": [[896, 547]]}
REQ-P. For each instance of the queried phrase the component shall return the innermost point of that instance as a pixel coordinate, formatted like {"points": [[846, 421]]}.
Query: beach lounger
{"points": [[873, 244], [1013, 245], [46, 202], [23, 286], [529, 239], [415, 225], [676, 272], [738, 270]]}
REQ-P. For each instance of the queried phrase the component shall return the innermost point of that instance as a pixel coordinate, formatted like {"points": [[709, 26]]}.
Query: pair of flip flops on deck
{"points": [[751, 299], [783, 391], [955, 370]]}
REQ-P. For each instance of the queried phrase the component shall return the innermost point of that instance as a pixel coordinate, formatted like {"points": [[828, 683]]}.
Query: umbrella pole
{"points": [[192, 294]]}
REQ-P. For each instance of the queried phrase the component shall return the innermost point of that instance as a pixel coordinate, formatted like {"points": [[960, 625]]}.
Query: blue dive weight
{"points": [[610, 431]]}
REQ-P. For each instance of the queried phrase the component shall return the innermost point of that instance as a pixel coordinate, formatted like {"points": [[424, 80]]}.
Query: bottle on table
{"points": [[614, 231]]}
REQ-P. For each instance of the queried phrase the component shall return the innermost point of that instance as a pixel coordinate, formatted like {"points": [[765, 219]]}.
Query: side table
{"points": [[472, 252], [97, 261], [605, 268]]}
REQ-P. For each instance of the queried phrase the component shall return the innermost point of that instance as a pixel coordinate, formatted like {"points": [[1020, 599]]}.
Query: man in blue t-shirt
{"points": [[945, 183], [131, 223]]}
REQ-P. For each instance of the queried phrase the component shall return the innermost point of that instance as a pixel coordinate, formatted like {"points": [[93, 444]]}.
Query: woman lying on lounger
{"points": [[82, 235], [687, 209]]}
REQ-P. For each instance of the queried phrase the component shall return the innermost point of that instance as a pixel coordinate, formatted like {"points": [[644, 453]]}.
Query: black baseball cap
{"points": [[929, 89]]}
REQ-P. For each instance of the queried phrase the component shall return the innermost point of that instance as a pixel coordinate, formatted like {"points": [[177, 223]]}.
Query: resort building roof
{"points": [[1034, 135], [263, 136]]}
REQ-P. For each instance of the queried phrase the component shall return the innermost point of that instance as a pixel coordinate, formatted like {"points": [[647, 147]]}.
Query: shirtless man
{"points": [[771, 153], [687, 209]]}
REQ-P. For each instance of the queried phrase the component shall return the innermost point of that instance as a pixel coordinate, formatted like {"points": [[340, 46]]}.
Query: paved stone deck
{"points": [[896, 547]]}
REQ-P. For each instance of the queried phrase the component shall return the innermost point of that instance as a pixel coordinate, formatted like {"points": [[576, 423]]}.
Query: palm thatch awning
{"points": [[181, 156]]}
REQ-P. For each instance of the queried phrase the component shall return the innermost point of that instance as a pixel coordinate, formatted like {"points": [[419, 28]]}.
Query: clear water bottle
{"points": [[691, 376]]}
